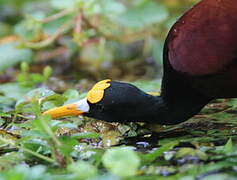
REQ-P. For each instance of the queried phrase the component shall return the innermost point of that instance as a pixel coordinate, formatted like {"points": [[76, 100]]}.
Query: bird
{"points": [[199, 65]]}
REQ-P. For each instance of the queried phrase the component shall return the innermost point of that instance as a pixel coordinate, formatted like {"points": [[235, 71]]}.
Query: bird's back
{"points": [[202, 46]]}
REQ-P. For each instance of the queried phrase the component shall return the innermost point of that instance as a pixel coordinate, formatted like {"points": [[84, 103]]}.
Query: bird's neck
{"points": [[178, 102], [174, 111]]}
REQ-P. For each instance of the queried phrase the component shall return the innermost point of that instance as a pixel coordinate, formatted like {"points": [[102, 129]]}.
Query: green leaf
{"points": [[24, 172], [33, 134], [68, 144], [5, 29], [89, 135], [186, 151], [10, 159], [41, 123], [111, 7], [145, 14], [4, 114], [47, 72], [82, 170], [12, 55], [121, 161], [228, 148], [29, 29], [62, 4], [6, 103], [71, 94], [219, 177], [36, 145], [148, 158], [51, 27], [42, 95], [18, 93]]}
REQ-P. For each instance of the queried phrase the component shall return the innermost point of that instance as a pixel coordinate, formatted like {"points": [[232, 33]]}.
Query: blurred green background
{"points": [[68, 45], [85, 40]]}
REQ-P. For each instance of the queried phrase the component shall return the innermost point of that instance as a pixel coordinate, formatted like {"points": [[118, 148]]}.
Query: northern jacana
{"points": [[200, 64]]}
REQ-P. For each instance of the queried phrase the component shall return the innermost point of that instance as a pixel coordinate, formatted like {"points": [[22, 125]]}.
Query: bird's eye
{"points": [[100, 107]]}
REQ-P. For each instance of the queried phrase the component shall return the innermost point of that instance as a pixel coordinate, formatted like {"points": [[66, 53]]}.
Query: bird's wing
{"points": [[204, 40]]}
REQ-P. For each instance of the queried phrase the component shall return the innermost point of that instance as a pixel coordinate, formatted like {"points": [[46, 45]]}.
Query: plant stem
{"points": [[57, 16], [28, 150], [50, 132], [51, 39]]}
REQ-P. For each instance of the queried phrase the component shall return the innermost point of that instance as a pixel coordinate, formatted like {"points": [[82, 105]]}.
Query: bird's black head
{"points": [[111, 101]]}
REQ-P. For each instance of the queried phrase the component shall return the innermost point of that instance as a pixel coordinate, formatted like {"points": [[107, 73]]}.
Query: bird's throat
{"points": [[173, 112]]}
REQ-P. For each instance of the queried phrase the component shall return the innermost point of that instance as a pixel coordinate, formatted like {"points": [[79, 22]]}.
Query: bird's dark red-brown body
{"points": [[200, 64], [203, 45]]}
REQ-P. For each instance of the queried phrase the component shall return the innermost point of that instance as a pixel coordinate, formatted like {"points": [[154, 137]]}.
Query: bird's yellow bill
{"points": [[66, 110]]}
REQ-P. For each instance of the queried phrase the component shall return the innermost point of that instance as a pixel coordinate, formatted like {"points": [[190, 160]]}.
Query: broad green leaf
{"points": [[36, 145], [82, 170], [33, 134], [51, 27], [41, 95], [121, 161], [12, 55], [62, 4], [145, 14], [42, 124], [24, 172], [29, 29], [67, 145], [71, 94], [111, 7], [18, 93]]}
